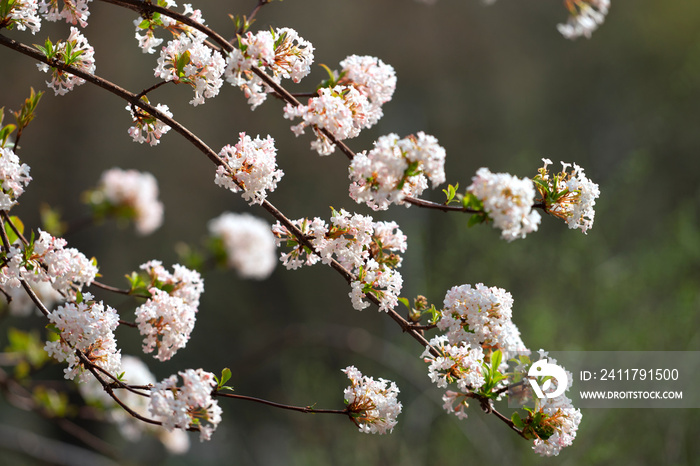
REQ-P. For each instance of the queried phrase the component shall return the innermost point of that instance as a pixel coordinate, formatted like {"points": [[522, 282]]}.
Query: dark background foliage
{"points": [[499, 87]]}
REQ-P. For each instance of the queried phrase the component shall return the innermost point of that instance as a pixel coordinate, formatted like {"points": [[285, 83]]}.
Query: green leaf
{"points": [[405, 302], [11, 235], [225, 376], [517, 421]]}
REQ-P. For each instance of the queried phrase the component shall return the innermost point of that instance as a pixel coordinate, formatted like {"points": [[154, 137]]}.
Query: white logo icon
{"points": [[543, 368]]}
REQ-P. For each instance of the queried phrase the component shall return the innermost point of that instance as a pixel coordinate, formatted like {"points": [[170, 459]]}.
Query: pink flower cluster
{"points": [[47, 260], [167, 318], [366, 248], [14, 177], [89, 327], [372, 404], [145, 27], [396, 168], [148, 124], [73, 11], [248, 242], [457, 363], [79, 54], [351, 101], [281, 53], [134, 191], [23, 14], [188, 405], [188, 60], [249, 166]]}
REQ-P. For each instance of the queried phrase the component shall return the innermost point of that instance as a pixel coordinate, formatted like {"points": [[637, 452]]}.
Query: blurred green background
{"points": [[499, 87]]}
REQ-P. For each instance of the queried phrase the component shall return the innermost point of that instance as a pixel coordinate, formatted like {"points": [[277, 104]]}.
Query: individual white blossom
{"points": [[373, 405], [133, 191], [147, 128], [563, 419], [73, 11], [478, 316], [187, 405], [81, 56], [396, 168], [280, 53], [89, 327], [23, 14], [14, 177], [248, 242], [187, 60], [569, 195], [585, 17], [508, 202], [249, 166], [460, 364], [342, 111]]}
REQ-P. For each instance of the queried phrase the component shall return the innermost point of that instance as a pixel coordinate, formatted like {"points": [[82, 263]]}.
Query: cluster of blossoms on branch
{"points": [[372, 404], [350, 101], [187, 405], [281, 53], [167, 318], [14, 177], [249, 166], [148, 128], [87, 326], [396, 168], [365, 248]]}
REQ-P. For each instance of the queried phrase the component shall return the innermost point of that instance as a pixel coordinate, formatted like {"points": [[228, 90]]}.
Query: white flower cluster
{"points": [[508, 202], [250, 166], [373, 405], [73, 11], [396, 168], [373, 78], [188, 60], [61, 81], [342, 111], [167, 318], [249, 244], [148, 124], [480, 316], [135, 191], [281, 53], [365, 248], [457, 363], [136, 372], [145, 27], [564, 419], [14, 176], [65, 268], [586, 16], [560, 418], [574, 193], [23, 14], [89, 327], [189, 405]]}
